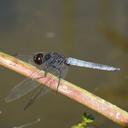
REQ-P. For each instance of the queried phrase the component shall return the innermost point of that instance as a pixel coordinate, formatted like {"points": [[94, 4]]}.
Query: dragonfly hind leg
{"points": [[61, 74], [59, 79]]}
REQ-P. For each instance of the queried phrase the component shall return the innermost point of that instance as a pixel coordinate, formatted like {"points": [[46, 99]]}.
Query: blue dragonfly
{"points": [[51, 61]]}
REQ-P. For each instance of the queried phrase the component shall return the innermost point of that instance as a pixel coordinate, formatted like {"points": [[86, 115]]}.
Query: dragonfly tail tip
{"points": [[116, 69]]}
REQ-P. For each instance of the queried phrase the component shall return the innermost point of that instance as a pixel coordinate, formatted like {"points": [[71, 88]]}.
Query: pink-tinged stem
{"points": [[66, 88]]}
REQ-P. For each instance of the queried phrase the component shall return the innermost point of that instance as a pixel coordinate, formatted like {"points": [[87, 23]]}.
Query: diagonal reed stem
{"points": [[66, 88]]}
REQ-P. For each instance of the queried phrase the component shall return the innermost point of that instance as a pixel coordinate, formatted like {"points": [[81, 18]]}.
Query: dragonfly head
{"points": [[38, 58]]}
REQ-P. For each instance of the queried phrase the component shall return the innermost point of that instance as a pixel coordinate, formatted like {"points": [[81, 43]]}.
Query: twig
{"points": [[66, 88]]}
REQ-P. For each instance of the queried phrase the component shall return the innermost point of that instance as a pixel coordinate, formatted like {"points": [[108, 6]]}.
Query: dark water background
{"points": [[90, 30]]}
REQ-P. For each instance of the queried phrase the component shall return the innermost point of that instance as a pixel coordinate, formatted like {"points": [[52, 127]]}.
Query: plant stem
{"points": [[66, 88]]}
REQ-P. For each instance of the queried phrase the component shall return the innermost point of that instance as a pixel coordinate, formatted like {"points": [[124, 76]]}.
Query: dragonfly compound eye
{"points": [[38, 58]]}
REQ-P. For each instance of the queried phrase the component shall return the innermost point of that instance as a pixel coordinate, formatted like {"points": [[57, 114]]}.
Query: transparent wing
{"points": [[64, 71], [23, 56], [21, 89], [28, 58], [40, 92], [81, 63], [44, 90]]}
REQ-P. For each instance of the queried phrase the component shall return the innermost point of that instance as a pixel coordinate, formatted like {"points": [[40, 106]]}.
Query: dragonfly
{"points": [[50, 62]]}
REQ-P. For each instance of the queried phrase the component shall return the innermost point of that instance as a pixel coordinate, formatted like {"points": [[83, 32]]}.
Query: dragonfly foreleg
{"points": [[45, 70]]}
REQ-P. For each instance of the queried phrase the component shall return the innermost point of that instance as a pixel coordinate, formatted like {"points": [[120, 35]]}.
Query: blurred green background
{"points": [[91, 30]]}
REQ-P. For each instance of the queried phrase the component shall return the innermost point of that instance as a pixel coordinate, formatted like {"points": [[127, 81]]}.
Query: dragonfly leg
{"points": [[46, 70], [59, 79]]}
